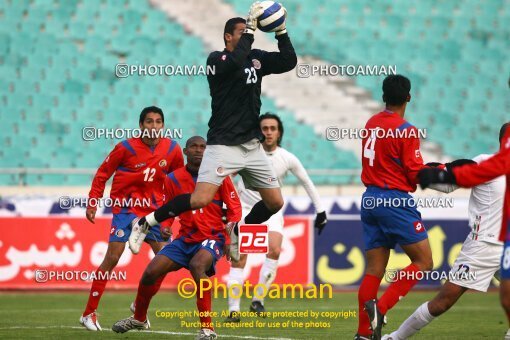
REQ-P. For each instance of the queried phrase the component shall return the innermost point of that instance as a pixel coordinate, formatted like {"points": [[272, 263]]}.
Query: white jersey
{"points": [[283, 161], [486, 208]]}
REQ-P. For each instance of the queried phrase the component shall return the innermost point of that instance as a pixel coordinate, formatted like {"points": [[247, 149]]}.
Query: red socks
{"points": [[367, 291], [96, 291], [144, 297], [398, 289], [204, 308]]}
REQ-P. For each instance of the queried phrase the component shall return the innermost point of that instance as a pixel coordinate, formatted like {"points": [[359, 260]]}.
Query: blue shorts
{"points": [[181, 252], [505, 262], [121, 229], [390, 217]]}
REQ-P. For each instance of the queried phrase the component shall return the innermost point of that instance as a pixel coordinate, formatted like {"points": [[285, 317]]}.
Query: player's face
{"points": [[154, 123], [238, 32], [270, 130], [195, 151]]}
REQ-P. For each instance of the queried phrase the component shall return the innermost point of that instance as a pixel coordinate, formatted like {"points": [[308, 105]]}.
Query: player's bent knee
{"points": [[148, 277], [200, 201], [429, 264], [276, 206], [425, 264], [197, 268], [274, 253]]}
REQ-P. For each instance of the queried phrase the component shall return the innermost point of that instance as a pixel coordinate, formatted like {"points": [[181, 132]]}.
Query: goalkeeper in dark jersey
{"points": [[233, 140]]}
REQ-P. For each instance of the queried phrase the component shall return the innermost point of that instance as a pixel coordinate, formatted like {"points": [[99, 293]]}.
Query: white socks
{"points": [[419, 319], [235, 277], [266, 277]]}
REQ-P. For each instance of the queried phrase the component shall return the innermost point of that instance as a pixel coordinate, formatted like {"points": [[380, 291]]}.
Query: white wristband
{"points": [[151, 219], [283, 31]]}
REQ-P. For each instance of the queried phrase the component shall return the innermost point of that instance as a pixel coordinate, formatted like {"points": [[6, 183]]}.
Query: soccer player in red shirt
{"points": [[199, 245], [468, 176], [390, 163], [140, 166]]}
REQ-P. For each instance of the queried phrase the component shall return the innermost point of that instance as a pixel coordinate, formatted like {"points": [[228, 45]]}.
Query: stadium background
{"points": [[57, 76]]}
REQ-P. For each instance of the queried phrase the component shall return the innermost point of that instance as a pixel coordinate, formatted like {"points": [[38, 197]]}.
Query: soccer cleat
{"points": [[258, 307], [388, 337], [377, 319], [206, 334], [362, 337], [90, 322], [138, 234], [233, 317], [132, 309], [124, 325], [233, 249]]}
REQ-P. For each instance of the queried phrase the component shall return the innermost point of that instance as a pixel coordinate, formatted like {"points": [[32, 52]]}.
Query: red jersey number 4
{"points": [[253, 239]]}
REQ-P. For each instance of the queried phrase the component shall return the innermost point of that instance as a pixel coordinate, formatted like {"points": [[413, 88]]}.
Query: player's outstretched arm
{"points": [[446, 187], [103, 174], [282, 61], [468, 175], [297, 168], [471, 175]]}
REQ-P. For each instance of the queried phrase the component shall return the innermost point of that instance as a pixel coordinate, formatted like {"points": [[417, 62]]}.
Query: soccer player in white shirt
{"points": [[480, 254], [283, 161]]}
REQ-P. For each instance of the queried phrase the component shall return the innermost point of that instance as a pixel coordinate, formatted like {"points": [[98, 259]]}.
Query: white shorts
{"points": [[275, 222], [248, 159], [480, 258]]}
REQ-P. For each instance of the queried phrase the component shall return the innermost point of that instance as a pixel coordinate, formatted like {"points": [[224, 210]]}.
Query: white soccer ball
{"points": [[273, 18]]}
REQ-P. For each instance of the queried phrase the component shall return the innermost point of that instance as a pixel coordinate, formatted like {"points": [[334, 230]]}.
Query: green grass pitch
{"points": [[55, 316]]}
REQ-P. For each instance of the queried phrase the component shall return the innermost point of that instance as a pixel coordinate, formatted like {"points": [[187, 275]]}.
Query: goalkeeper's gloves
{"points": [[282, 29], [428, 176], [320, 221], [256, 10]]}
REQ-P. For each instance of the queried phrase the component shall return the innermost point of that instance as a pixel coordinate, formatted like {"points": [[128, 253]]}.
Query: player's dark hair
{"points": [[230, 26], [396, 89], [149, 109], [191, 139], [269, 115], [503, 130]]}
